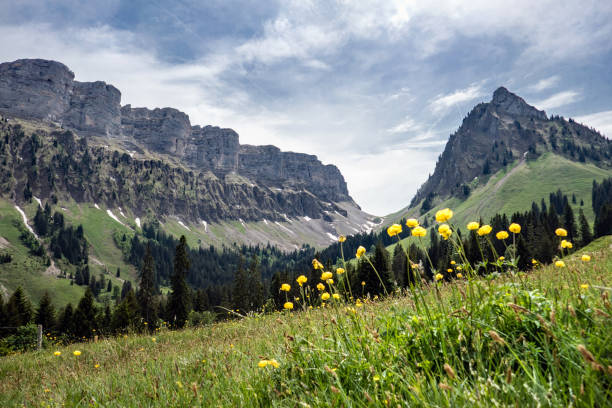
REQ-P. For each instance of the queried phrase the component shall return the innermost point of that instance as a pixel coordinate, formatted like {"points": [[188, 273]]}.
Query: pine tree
{"points": [[109, 287], [146, 291], [240, 292], [256, 292], [603, 221], [84, 318], [65, 321], [585, 230], [18, 309], [399, 266], [569, 222], [179, 297], [45, 314]]}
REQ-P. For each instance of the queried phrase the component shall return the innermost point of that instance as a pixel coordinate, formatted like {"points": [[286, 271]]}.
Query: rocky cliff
{"points": [[46, 90], [73, 141], [501, 131]]}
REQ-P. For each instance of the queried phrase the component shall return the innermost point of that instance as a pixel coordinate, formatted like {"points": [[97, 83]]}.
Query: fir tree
{"points": [[585, 230], [569, 222], [603, 221], [18, 309], [179, 297], [146, 291], [256, 292], [240, 292], [85, 315], [65, 321], [45, 314]]}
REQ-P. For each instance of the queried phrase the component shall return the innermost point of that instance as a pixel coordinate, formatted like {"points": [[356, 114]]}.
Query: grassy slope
{"points": [[26, 270], [331, 357], [529, 181]]}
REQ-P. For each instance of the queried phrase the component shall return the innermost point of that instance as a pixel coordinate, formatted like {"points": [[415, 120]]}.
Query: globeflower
{"points": [[485, 230], [419, 231], [320, 286], [501, 235], [473, 226], [445, 231], [412, 222], [329, 281], [360, 251], [561, 232], [57, 353], [316, 264], [341, 238], [340, 271], [444, 215], [459, 275], [514, 228], [76, 352], [560, 264], [336, 296], [584, 286], [439, 276], [586, 258], [288, 305], [301, 280], [324, 296], [285, 287], [326, 275], [394, 229], [566, 244]]}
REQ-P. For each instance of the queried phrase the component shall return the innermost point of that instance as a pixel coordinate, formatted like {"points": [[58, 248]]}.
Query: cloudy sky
{"points": [[375, 87]]}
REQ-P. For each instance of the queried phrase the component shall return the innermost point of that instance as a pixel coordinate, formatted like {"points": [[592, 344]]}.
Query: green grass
{"points": [[461, 345], [26, 270]]}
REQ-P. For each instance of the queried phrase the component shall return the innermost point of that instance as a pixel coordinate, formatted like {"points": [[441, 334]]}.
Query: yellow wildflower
{"points": [[262, 363], [560, 264], [341, 238], [449, 270], [57, 353], [473, 226], [325, 296], [584, 286], [514, 228], [459, 275], [501, 258], [412, 222], [336, 296], [560, 232], [452, 262], [97, 366], [285, 287], [273, 363], [76, 352], [329, 281], [586, 258], [316, 264], [288, 305], [326, 275], [394, 229], [301, 280], [340, 271], [566, 244], [445, 231], [320, 286], [419, 231], [501, 235], [360, 251], [444, 215], [485, 230], [439, 276], [362, 283]]}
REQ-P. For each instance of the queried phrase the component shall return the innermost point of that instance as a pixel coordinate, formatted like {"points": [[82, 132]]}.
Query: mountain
{"points": [[153, 164], [507, 154]]}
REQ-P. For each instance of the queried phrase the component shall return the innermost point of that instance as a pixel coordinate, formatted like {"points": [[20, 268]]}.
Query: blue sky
{"points": [[374, 87]]}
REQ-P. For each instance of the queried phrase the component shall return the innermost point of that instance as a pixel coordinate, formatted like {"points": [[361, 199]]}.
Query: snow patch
{"points": [[283, 227], [242, 222], [38, 201], [205, 225], [137, 221], [97, 206], [265, 221], [114, 217], [184, 226], [121, 212], [25, 221], [307, 218], [332, 236]]}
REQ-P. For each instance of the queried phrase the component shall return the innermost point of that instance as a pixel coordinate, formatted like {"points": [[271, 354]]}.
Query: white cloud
{"points": [[558, 99], [545, 83], [443, 102], [405, 126], [601, 121]]}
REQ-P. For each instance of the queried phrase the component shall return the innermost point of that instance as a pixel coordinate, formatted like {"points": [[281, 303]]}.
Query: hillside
{"points": [[523, 343]]}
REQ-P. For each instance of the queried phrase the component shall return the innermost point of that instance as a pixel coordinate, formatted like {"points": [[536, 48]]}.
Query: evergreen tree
{"points": [[179, 297], [201, 301], [18, 309], [399, 266], [603, 221], [366, 273], [84, 318], [569, 222], [65, 321], [45, 314], [585, 230], [256, 292], [109, 287], [40, 222], [125, 288], [240, 292], [146, 291]]}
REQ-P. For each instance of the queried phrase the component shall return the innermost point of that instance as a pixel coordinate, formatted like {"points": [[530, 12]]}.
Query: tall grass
{"points": [[543, 339]]}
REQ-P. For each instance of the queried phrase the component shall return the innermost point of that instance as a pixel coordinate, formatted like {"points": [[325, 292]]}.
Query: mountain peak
{"points": [[506, 102]]}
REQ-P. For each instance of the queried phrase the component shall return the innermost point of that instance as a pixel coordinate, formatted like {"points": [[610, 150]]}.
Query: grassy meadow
{"points": [[537, 339]]}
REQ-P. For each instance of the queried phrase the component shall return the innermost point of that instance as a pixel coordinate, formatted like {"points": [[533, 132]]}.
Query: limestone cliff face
{"points": [[272, 180]]}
